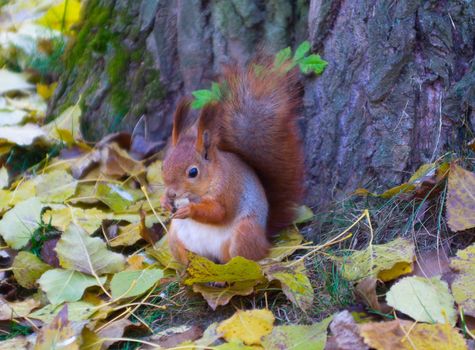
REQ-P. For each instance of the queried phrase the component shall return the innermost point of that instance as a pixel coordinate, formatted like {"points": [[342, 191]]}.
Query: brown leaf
{"points": [[366, 290], [48, 253], [153, 234], [142, 148], [83, 166], [114, 329], [432, 263], [173, 337], [405, 335], [216, 296], [460, 199], [346, 334]]}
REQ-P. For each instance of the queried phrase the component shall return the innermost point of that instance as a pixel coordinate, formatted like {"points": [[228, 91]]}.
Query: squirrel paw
{"points": [[182, 213]]}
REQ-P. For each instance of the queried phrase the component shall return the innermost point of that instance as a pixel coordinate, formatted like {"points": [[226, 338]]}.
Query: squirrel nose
{"points": [[171, 193]]}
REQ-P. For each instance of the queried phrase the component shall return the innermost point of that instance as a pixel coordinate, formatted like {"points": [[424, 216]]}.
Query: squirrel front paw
{"points": [[183, 212], [166, 203]]}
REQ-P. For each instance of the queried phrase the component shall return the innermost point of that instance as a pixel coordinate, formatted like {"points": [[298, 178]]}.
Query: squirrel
{"points": [[234, 177]]}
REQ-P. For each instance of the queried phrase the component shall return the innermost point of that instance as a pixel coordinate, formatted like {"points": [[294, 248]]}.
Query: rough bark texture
{"points": [[399, 89]]}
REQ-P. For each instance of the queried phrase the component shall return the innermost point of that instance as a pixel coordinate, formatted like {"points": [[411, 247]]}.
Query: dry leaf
{"points": [[216, 296], [247, 326], [463, 285], [460, 199], [346, 334]]}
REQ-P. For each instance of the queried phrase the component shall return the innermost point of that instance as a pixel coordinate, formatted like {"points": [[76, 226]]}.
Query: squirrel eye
{"points": [[193, 172]]}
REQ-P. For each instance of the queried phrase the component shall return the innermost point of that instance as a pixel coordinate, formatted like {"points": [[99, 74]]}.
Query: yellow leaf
{"points": [[460, 199], [45, 90], [405, 335], [462, 286], [248, 326], [62, 16], [386, 261]]}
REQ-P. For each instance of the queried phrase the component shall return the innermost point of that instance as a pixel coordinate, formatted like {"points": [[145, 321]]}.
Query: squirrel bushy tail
{"points": [[259, 123]]}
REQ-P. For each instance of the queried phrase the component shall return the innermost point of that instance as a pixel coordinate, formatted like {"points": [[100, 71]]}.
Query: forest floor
{"points": [[85, 262]]}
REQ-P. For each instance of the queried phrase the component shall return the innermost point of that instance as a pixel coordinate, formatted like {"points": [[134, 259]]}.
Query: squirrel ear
{"points": [[205, 125], [179, 118]]}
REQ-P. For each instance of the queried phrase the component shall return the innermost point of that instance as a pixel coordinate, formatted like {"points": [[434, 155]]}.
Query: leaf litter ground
{"points": [[86, 260]]}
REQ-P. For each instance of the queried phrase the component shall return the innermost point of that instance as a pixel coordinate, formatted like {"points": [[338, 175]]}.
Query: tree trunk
{"points": [[399, 89]]}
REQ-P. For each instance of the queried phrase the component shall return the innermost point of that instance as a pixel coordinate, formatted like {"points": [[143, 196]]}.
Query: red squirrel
{"points": [[234, 177]]}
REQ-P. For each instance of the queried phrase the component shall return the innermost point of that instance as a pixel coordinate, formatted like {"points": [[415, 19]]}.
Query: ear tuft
{"points": [[206, 124], [179, 118]]}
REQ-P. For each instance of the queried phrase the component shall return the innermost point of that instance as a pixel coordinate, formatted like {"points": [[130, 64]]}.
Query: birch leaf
{"points": [[55, 187], [463, 285], [66, 285], [460, 199], [247, 326], [127, 284], [78, 251], [28, 268], [18, 223], [423, 299]]}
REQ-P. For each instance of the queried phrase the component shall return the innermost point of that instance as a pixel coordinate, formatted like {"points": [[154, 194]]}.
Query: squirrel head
{"points": [[189, 164]]}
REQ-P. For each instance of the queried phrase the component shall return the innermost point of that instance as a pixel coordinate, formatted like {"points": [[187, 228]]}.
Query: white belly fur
{"points": [[202, 239]]}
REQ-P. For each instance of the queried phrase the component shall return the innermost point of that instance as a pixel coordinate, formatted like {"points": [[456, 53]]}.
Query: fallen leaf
{"points": [[298, 337], [17, 343], [89, 219], [142, 148], [304, 214], [283, 245], [385, 261], [45, 90], [126, 236], [78, 251], [127, 284], [460, 202], [173, 337], [216, 296], [18, 224], [346, 333], [366, 290], [77, 311], [295, 284], [150, 234], [28, 268], [17, 309], [116, 162], [62, 16], [66, 285], [4, 179], [48, 252], [135, 262], [405, 335], [425, 300], [117, 197], [13, 81], [66, 127], [432, 263], [113, 330], [202, 270], [58, 334], [12, 116], [247, 326], [161, 252], [463, 285], [55, 187], [23, 135], [23, 191]]}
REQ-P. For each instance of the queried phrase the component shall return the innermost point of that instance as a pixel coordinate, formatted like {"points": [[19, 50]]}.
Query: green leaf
{"points": [[77, 311], [77, 251], [423, 299], [384, 261], [128, 284], [301, 51], [66, 127], [203, 97], [55, 187], [298, 337], [27, 268], [304, 214], [66, 285], [284, 244], [295, 284], [282, 56], [117, 197], [18, 223], [312, 64]]}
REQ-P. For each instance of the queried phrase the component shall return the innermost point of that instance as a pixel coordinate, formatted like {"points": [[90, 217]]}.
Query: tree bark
{"points": [[399, 89]]}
